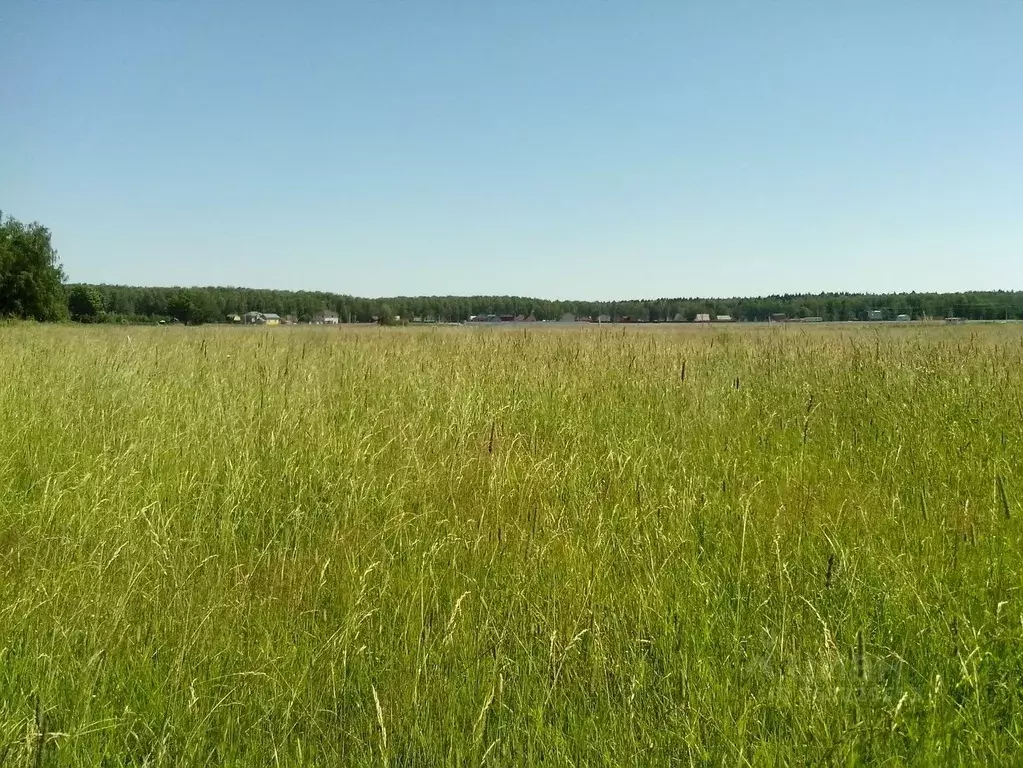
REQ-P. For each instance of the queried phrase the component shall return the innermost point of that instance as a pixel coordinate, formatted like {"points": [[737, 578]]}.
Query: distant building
{"points": [[326, 317], [779, 317], [603, 318], [703, 317], [902, 319], [955, 320], [679, 318], [814, 319], [234, 318], [261, 318], [568, 317], [723, 319], [875, 314]]}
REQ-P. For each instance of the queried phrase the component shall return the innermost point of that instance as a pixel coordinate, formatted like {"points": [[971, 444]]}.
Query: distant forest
{"points": [[33, 285], [207, 305]]}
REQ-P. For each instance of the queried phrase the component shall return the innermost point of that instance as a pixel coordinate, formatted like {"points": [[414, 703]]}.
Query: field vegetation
{"points": [[446, 546]]}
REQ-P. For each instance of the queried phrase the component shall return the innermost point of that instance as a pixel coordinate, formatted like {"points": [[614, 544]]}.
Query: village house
{"points": [[261, 318], [326, 317]]}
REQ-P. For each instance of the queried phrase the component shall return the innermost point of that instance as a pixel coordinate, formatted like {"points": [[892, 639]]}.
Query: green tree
{"points": [[386, 315], [182, 307], [85, 303], [31, 278]]}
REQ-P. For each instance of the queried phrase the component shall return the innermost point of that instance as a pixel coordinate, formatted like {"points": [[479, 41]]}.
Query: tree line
{"points": [[33, 285], [214, 304]]}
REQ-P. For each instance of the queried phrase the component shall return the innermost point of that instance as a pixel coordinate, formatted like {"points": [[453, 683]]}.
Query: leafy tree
{"points": [[85, 303], [207, 309], [386, 316], [31, 278], [182, 307]]}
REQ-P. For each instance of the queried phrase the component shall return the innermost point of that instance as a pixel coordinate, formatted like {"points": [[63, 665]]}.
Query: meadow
{"points": [[453, 546]]}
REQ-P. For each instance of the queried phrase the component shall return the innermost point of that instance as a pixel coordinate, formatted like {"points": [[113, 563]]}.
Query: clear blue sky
{"points": [[591, 149]]}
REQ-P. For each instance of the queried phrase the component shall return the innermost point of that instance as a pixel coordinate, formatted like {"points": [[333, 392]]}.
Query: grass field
{"points": [[506, 547]]}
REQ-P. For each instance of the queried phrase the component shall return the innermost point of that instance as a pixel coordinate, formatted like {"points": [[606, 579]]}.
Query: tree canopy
{"points": [[85, 303], [31, 278]]}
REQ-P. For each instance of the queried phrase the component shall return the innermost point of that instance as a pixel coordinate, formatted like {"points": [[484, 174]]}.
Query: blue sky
{"points": [[589, 149]]}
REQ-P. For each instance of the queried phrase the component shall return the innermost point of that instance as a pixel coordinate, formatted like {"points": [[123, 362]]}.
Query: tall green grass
{"points": [[507, 547]]}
